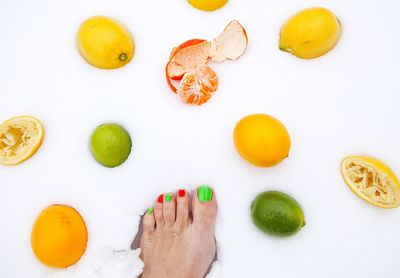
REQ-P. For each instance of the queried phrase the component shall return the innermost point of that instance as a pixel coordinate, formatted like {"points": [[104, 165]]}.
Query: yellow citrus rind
{"points": [[372, 180], [20, 138]]}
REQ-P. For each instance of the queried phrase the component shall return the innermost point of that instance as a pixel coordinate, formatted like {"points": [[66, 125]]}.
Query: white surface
{"points": [[346, 102]]}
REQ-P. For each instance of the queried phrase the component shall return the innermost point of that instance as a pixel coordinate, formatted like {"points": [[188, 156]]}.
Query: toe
{"points": [[182, 208], [149, 223], [158, 211], [204, 206], [169, 210]]}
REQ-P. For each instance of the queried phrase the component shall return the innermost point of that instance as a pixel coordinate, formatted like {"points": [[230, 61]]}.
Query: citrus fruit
{"points": [[20, 137], [110, 145], [276, 213], [198, 85], [208, 5], [59, 236], [105, 43], [262, 140], [372, 180], [310, 33], [188, 63]]}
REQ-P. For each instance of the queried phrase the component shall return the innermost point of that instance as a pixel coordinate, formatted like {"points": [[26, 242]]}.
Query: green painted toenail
{"points": [[150, 211], [168, 197], [204, 193]]}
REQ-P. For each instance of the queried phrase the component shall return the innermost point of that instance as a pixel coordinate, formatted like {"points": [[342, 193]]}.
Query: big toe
{"points": [[204, 207]]}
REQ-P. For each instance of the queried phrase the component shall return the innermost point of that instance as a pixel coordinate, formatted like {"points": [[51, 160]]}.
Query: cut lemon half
{"points": [[372, 180], [20, 137]]}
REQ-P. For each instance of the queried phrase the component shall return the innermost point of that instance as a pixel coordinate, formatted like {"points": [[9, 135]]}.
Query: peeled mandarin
{"points": [[310, 33], [59, 236], [262, 140]]}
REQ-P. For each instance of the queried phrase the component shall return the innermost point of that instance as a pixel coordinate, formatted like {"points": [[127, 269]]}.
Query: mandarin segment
{"points": [[197, 86]]}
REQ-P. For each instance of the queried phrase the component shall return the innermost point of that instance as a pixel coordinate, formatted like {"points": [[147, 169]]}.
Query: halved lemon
{"points": [[372, 180], [20, 137]]}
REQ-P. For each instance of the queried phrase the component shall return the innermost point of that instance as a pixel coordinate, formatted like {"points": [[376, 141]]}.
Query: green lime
{"points": [[276, 213], [110, 144]]}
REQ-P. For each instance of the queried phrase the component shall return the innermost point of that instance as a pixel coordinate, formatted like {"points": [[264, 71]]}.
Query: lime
{"points": [[110, 144], [277, 214]]}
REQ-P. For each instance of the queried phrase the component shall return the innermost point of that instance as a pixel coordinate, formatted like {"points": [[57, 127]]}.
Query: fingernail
{"points": [[168, 197], [181, 193], [150, 211], [160, 199], [204, 193]]}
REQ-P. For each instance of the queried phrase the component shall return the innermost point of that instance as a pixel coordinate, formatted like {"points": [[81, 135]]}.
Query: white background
{"points": [[344, 103]]}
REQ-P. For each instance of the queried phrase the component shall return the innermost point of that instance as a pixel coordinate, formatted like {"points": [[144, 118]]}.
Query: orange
{"points": [[197, 86], [262, 140], [59, 236]]}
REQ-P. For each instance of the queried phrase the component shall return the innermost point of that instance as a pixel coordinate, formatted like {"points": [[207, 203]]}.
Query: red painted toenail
{"points": [[161, 199], [181, 193]]}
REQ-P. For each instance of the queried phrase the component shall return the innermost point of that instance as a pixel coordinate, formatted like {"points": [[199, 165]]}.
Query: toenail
{"points": [[181, 193], [150, 211], [161, 199], [168, 197], [204, 193]]}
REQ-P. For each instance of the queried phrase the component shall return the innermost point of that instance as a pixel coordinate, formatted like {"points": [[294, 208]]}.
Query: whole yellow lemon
{"points": [[59, 236], [105, 43], [262, 140], [310, 33], [208, 5]]}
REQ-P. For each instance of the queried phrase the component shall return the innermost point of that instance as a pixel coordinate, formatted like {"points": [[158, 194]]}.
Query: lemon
{"points": [[310, 33], [276, 213], [20, 138], [262, 140], [110, 145], [59, 236], [105, 43], [372, 180], [208, 5]]}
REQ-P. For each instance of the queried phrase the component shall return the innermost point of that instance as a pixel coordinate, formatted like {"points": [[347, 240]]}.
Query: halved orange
{"points": [[197, 86], [20, 137], [372, 180]]}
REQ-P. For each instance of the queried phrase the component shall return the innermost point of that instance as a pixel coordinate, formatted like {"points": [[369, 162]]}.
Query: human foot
{"points": [[175, 243]]}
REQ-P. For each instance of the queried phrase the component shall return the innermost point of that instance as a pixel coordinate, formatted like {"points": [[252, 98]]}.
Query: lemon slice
{"points": [[372, 180], [20, 137]]}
